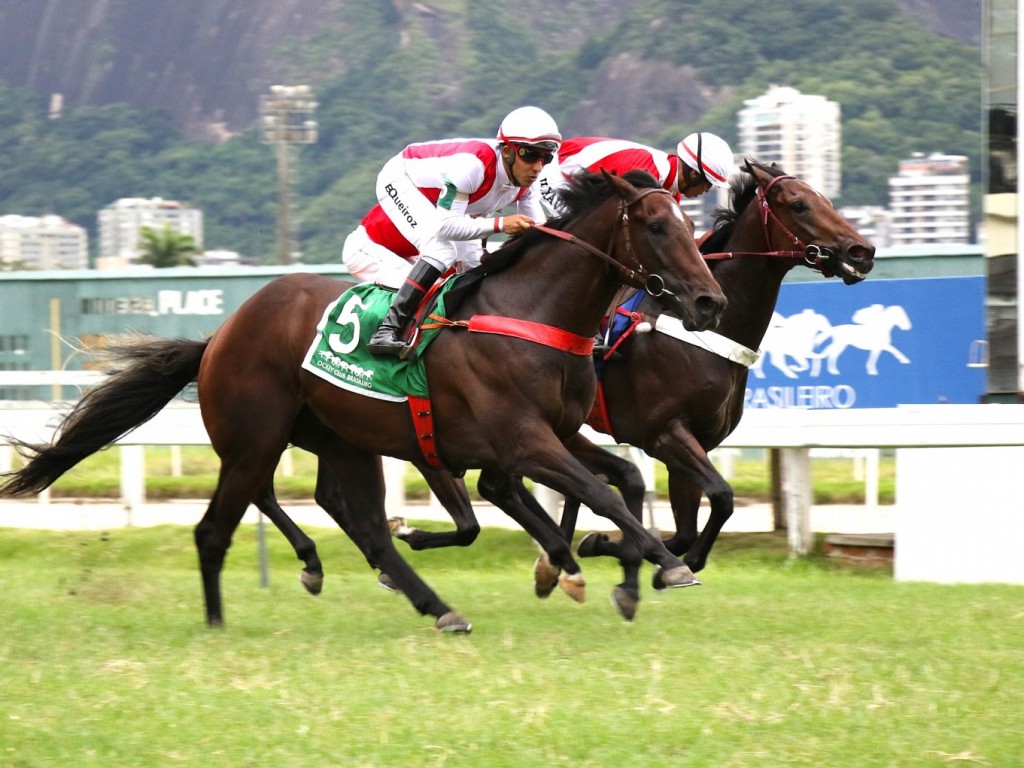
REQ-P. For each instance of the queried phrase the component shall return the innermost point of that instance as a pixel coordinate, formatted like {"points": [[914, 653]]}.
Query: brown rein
{"points": [[812, 255], [636, 275]]}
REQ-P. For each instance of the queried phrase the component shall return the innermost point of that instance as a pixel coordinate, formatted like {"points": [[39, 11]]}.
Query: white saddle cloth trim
{"points": [[709, 340]]}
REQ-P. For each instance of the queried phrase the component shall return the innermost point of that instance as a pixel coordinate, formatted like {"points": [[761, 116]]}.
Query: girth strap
{"points": [[423, 423]]}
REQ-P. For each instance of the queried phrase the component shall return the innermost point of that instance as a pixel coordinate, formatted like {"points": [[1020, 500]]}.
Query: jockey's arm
{"points": [[456, 224]]}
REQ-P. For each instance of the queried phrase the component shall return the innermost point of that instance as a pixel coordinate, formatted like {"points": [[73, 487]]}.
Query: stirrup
{"points": [[409, 348], [386, 343]]}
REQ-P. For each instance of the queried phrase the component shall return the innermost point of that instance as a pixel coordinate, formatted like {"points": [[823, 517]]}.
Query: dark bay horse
{"points": [[677, 400], [503, 403]]}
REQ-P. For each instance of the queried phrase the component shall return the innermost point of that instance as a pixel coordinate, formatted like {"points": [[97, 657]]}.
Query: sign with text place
{"points": [[876, 344]]}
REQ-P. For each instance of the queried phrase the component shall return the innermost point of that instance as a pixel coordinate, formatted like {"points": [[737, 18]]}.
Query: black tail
{"points": [[149, 373]]}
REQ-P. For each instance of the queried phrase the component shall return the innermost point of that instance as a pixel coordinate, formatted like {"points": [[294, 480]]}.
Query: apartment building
{"points": [[121, 223], [798, 131], [42, 242], [929, 200]]}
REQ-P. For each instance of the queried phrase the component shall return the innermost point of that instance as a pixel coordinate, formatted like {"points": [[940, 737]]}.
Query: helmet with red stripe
{"points": [[530, 127], [710, 156]]}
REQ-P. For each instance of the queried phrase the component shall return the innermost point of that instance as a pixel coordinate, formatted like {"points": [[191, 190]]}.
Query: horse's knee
{"points": [[467, 535]]}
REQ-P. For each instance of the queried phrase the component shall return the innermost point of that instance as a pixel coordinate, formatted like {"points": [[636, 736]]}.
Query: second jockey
{"points": [[702, 161]]}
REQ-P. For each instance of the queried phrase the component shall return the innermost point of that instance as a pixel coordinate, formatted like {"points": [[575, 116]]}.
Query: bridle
{"points": [[814, 256], [632, 274]]}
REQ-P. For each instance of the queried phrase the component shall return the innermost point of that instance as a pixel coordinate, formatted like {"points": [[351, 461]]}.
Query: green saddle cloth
{"points": [[338, 352]]}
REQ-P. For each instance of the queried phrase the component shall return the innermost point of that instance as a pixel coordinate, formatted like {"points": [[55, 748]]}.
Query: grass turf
{"points": [[773, 661]]}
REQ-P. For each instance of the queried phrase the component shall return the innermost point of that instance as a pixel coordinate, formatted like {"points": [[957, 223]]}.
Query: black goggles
{"points": [[533, 154]]}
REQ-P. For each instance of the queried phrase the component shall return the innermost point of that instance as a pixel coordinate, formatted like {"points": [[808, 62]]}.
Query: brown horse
{"points": [[678, 400], [499, 402]]}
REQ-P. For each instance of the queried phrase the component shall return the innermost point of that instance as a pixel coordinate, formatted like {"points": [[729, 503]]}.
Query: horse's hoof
{"points": [[545, 576], [680, 576], [588, 544], [313, 582], [574, 585], [453, 621], [398, 527], [625, 603], [387, 582]]}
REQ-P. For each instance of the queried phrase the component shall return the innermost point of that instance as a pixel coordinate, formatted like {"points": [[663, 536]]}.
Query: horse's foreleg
{"points": [[312, 576], [549, 462], [356, 502], [556, 567], [454, 497], [624, 475], [691, 472]]}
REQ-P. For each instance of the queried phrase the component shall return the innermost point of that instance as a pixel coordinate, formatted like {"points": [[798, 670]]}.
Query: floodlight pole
{"points": [[287, 120]]}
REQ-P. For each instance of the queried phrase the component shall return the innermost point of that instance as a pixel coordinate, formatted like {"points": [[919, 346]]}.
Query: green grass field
{"points": [[772, 662]]}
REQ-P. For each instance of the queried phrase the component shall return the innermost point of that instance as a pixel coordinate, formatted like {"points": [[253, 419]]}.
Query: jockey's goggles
{"points": [[531, 153]]}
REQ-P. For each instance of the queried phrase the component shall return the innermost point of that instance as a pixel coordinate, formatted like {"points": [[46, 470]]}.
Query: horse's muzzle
{"points": [[851, 264]]}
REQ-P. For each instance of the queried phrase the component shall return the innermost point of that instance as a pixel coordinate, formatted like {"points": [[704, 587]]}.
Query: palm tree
{"points": [[166, 247]]}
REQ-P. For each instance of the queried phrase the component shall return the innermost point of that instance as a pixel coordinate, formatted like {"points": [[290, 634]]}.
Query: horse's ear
{"points": [[761, 174], [622, 188]]}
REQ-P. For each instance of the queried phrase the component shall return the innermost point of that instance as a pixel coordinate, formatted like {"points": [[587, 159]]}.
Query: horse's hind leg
{"points": [[350, 487], [214, 531], [312, 576]]}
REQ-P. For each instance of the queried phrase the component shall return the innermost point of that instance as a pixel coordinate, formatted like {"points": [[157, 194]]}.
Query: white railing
{"points": [[957, 466]]}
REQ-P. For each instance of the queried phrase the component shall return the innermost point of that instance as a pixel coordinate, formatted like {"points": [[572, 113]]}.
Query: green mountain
{"points": [[162, 100]]}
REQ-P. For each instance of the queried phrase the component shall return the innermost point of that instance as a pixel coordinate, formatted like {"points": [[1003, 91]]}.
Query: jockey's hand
{"points": [[516, 224]]}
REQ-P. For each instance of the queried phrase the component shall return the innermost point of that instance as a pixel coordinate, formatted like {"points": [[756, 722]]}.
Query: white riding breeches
{"points": [[369, 262]]}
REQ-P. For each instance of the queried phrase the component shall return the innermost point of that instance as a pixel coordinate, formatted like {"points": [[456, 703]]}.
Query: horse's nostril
{"points": [[711, 307]]}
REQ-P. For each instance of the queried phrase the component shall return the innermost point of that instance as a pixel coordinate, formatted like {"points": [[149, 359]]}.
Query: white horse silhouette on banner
{"points": [[791, 338], [871, 330], [800, 342]]}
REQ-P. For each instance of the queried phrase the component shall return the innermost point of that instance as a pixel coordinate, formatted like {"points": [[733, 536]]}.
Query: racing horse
{"points": [[499, 401], [678, 395]]}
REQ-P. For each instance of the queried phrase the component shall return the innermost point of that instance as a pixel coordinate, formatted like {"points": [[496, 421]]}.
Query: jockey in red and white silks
{"points": [[436, 201], [702, 161]]}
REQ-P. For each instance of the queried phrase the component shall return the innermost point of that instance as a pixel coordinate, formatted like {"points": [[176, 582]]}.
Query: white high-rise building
{"points": [[799, 132], [121, 223], [928, 200], [42, 242]]}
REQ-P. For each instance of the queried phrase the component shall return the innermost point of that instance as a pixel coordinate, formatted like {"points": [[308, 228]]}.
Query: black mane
{"points": [[586, 191], [742, 191]]}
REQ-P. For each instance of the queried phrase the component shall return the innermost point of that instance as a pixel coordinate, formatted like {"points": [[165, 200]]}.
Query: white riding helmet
{"points": [[530, 126], [710, 155]]}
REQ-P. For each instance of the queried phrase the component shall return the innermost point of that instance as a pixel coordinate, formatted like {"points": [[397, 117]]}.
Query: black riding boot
{"points": [[387, 339]]}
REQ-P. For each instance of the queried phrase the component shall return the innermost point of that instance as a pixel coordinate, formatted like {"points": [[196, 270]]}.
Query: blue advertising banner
{"points": [[877, 344]]}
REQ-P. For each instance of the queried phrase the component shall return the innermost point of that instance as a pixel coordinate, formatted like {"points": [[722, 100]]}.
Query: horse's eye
{"points": [[656, 228], [799, 206]]}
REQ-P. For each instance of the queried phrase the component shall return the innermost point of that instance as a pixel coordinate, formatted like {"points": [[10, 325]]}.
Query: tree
{"points": [[166, 247]]}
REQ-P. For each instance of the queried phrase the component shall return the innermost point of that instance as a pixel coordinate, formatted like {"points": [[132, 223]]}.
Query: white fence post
{"points": [[795, 468], [133, 479]]}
